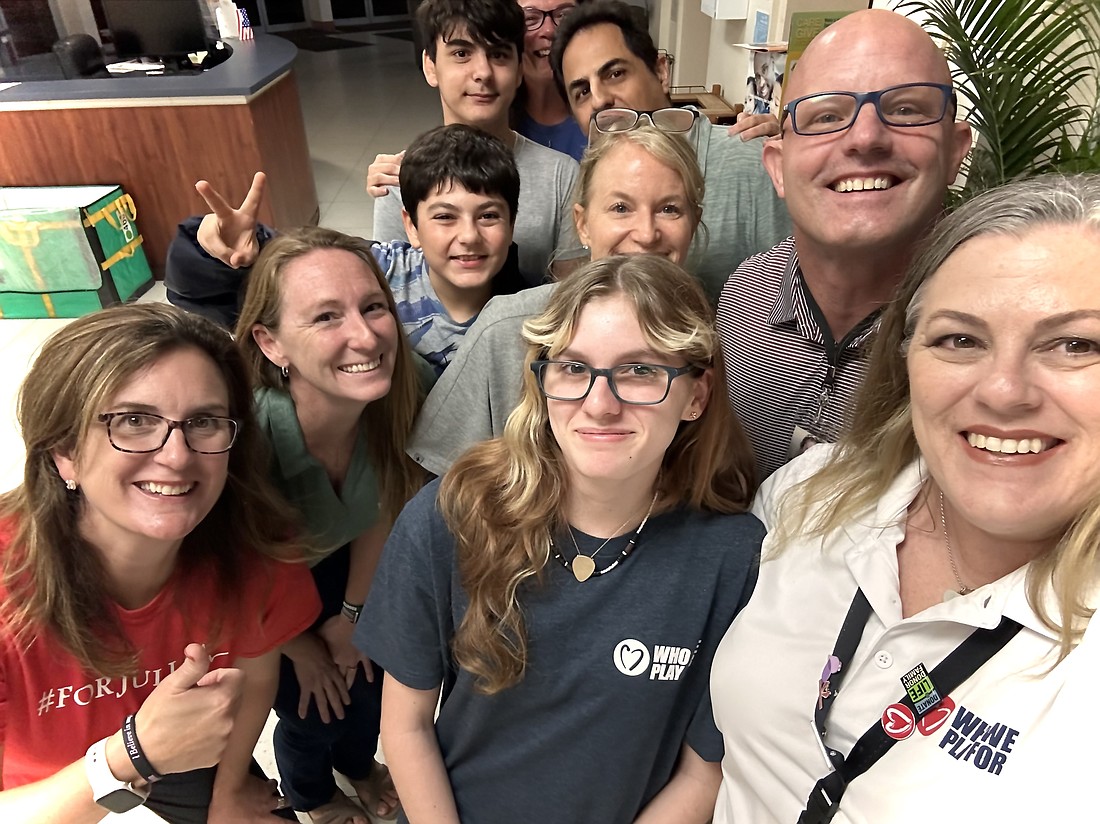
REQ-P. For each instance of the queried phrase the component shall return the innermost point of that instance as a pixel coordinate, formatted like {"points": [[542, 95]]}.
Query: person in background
{"points": [[938, 566], [539, 112], [337, 388], [639, 192], [460, 192], [473, 57], [143, 601], [609, 70], [868, 148], [562, 586], [543, 115]]}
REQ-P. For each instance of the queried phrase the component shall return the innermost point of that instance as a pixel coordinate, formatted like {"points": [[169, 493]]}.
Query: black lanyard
{"points": [[966, 659]]}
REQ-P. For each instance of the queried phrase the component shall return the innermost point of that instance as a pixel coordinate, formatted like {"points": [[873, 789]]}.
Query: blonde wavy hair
{"points": [[388, 420], [503, 499], [54, 580], [880, 442]]}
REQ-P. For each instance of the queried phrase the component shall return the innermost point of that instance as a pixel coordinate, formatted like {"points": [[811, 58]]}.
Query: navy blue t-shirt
{"points": [[565, 137], [617, 670]]}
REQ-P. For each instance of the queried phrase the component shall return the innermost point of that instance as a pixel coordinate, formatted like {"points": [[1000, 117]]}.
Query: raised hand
{"points": [[229, 234], [383, 173], [754, 125]]}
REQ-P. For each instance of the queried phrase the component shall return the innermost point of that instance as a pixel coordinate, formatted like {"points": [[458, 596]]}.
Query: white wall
{"points": [[704, 48], [73, 17]]}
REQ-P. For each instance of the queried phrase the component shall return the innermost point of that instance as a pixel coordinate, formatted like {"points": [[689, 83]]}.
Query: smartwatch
{"points": [[108, 792]]}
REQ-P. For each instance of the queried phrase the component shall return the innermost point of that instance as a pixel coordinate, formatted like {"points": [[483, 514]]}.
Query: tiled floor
{"points": [[357, 102]]}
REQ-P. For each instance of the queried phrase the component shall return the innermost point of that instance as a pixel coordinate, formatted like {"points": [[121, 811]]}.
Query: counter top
{"points": [[252, 66]]}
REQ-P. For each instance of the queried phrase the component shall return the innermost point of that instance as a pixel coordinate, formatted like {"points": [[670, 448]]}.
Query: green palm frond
{"points": [[1021, 67]]}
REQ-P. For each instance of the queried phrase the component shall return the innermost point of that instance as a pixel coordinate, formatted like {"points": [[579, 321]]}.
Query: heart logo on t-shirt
{"points": [[631, 657]]}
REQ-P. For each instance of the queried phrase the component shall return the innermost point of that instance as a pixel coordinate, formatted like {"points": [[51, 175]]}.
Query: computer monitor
{"points": [[156, 28]]}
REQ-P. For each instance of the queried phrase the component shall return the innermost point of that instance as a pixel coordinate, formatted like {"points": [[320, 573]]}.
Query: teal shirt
{"points": [[332, 520]]}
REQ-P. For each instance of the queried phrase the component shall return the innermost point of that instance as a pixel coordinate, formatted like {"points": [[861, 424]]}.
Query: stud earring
{"points": [[694, 415], [285, 372], [70, 485]]}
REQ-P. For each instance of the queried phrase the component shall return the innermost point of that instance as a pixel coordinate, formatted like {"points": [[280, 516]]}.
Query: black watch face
{"points": [[120, 800]]}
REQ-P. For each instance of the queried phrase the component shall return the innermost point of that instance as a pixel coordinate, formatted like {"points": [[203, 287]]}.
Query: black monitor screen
{"points": [[155, 28]]}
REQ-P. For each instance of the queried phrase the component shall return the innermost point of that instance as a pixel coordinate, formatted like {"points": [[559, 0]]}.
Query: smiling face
{"points": [[636, 205], [902, 173], [1004, 373], [601, 72], [476, 83], [604, 442], [536, 42], [335, 333], [151, 501], [465, 237]]}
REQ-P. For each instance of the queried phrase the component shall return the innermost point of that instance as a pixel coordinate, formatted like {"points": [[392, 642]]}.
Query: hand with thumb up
{"points": [[185, 722]]}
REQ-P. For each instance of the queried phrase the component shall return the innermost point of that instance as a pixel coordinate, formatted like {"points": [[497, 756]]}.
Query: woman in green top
{"points": [[337, 391]]}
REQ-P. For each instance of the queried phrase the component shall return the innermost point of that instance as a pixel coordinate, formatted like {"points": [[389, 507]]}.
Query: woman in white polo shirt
{"points": [[928, 582]]}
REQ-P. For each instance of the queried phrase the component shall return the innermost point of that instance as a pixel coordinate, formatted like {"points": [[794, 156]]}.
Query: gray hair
{"points": [[1012, 210]]}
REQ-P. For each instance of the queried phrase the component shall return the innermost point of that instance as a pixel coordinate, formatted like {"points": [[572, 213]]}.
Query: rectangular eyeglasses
{"points": [[669, 119], [906, 106], [145, 432], [643, 384]]}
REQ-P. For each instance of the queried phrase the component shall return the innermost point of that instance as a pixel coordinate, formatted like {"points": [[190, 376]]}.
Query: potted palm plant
{"points": [[1027, 74]]}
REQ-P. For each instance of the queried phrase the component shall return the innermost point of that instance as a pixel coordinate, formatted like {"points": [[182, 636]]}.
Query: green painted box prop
{"points": [[66, 251]]}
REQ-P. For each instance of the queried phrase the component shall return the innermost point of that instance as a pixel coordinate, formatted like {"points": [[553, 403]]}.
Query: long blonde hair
{"points": [[880, 442], [388, 420], [55, 581], [503, 499]]}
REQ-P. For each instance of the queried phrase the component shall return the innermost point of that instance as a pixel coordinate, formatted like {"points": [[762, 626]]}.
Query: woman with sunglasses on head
{"points": [[142, 604], [563, 586], [337, 387]]}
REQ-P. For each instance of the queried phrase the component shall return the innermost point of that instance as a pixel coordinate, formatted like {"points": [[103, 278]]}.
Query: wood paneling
{"points": [[284, 154], [157, 154]]}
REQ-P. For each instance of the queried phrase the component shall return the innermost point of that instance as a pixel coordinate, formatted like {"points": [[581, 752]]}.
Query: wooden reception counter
{"points": [[158, 135]]}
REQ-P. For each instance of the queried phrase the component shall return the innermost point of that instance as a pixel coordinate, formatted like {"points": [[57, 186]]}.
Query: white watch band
{"points": [[108, 791]]}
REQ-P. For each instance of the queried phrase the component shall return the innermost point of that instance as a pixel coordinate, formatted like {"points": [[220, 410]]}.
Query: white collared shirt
{"points": [[1019, 743]]}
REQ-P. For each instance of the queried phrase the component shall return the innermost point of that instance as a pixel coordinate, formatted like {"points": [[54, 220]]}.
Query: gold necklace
{"points": [[583, 566], [963, 588]]}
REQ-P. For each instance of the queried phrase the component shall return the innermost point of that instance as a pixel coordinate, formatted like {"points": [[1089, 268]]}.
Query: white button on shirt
{"points": [[1019, 743]]}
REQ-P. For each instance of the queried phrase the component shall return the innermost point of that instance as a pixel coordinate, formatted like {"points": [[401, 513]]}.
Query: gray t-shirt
{"points": [[617, 671], [544, 217], [473, 398], [741, 211]]}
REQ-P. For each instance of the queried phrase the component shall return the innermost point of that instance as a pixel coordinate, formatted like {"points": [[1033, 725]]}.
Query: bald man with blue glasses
{"points": [[868, 145]]}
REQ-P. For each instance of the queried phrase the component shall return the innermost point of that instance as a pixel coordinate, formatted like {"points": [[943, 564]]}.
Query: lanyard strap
{"points": [[957, 667]]}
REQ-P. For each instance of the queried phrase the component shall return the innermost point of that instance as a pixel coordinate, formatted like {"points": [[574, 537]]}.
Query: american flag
{"points": [[244, 28]]}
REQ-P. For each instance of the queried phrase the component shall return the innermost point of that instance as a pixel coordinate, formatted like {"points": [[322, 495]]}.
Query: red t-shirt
{"points": [[51, 709]]}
